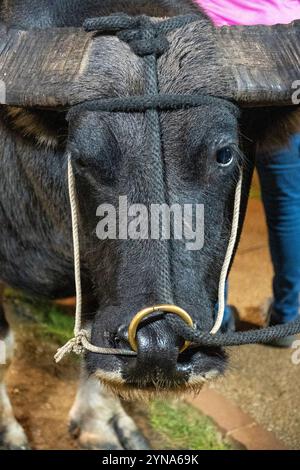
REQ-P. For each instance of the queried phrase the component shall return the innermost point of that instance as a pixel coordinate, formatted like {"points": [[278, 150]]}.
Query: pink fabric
{"points": [[249, 12]]}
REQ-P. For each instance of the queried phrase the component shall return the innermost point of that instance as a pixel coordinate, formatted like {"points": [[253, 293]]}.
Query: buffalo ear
{"points": [[263, 63]]}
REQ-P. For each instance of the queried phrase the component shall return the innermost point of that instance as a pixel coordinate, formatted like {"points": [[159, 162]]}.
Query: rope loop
{"points": [[145, 38], [141, 33]]}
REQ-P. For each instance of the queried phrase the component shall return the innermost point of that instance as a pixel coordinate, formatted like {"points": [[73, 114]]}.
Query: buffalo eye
{"points": [[78, 160], [224, 156], [81, 162], [84, 162]]}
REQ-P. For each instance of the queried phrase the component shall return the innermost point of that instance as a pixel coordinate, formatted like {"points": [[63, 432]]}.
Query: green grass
{"points": [[183, 427], [57, 325], [50, 320]]}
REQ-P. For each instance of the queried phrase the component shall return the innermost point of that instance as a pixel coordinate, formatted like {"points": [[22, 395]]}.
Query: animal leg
{"points": [[99, 421], [12, 435]]}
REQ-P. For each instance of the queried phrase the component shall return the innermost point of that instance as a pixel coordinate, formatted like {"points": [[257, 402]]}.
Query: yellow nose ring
{"points": [[165, 308]]}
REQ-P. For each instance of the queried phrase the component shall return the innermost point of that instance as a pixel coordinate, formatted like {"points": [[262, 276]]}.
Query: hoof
{"points": [[92, 435], [118, 433], [13, 438], [99, 422]]}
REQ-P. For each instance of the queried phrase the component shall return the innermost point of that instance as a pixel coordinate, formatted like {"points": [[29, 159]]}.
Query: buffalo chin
{"points": [[149, 391]]}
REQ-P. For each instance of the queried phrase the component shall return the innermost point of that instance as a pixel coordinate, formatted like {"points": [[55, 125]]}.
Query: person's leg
{"points": [[279, 175], [230, 314]]}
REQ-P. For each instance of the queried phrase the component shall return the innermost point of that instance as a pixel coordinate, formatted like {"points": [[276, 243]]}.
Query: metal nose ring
{"points": [[164, 308]]}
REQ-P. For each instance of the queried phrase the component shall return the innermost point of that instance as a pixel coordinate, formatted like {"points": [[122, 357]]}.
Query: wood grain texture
{"points": [[263, 62], [41, 66], [64, 66]]}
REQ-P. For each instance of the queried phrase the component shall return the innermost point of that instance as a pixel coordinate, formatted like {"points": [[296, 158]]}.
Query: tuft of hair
{"points": [[273, 127], [158, 389], [41, 126]]}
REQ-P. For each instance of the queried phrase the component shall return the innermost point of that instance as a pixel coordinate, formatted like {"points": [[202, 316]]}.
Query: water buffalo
{"points": [[49, 64]]}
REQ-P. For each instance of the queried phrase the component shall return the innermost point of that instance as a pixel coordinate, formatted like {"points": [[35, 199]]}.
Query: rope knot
{"points": [[141, 33], [73, 345], [145, 38], [78, 347]]}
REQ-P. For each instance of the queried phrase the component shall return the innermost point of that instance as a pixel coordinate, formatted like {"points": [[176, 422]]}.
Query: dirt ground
{"points": [[262, 381], [42, 393]]}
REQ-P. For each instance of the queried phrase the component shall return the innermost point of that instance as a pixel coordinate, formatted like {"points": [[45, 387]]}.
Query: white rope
{"points": [[80, 341], [76, 246], [228, 256]]}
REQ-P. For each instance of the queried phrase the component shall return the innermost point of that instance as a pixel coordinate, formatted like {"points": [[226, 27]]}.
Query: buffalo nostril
{"points": [[122, 333], [120, 337]]}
